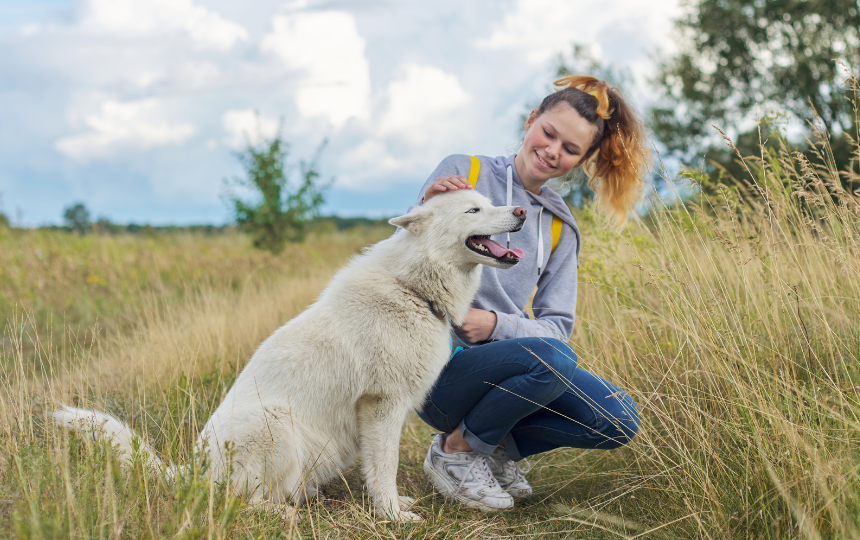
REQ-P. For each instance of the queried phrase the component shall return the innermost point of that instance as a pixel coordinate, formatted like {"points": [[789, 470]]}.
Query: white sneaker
{"points": [[465, 477], [509, 474]]}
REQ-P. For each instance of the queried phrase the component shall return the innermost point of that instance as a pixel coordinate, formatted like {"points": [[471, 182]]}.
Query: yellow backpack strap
{"points": [[556, 232], [474, 170]]}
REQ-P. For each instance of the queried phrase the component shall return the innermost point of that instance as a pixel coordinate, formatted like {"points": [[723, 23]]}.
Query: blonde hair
{"points": [[618, 157]]}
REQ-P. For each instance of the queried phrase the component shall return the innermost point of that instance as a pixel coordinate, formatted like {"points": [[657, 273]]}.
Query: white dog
{"points": [[337, 381]]}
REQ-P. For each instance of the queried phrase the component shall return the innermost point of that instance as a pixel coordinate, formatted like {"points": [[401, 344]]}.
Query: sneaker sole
{"points": [[448, 491], [519, 493]]}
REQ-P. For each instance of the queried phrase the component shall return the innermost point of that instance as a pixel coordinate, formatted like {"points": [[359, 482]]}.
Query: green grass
{"points": [[736, 328]]}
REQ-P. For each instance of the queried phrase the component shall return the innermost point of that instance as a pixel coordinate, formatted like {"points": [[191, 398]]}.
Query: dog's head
{"points": [[464, 220]]}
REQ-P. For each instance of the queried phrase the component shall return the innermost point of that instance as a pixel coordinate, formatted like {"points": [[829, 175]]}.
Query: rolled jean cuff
{"points": [[478, 446]]}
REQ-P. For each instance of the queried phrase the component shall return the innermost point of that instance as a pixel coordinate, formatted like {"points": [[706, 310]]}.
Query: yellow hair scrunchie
{"points": [[582, 82]]}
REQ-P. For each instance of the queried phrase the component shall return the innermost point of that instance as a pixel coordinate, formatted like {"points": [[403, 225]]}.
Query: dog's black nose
{"points": [[520, 212]]}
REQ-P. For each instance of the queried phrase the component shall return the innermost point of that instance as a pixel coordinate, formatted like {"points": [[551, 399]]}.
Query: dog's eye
{"points": [[473, 210]]}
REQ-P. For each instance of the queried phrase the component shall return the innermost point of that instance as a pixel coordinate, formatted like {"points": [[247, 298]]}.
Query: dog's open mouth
{"points": [[482, 245]]}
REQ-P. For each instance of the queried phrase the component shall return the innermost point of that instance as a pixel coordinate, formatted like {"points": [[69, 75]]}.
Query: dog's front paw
{"points": [[406, 502], [400, 514], [405, 517]]}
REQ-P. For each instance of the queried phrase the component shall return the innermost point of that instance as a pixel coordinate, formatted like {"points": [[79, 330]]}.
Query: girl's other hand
{"points": [[478, 325], [446, 183]]}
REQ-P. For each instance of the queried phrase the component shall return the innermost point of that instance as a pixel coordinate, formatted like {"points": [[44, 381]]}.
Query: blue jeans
{"points": [[528, 394]]}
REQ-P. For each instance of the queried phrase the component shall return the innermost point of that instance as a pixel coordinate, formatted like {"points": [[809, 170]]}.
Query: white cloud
{"points": [[195, 75], [370, 155], [426, 108], [30, 30], [543, 28], [143, 18], [327, 48], [135, 124], [421, 99], [246, 125]]}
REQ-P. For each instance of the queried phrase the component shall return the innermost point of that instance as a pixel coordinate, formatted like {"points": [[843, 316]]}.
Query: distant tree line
{"points": [[76, 219]]}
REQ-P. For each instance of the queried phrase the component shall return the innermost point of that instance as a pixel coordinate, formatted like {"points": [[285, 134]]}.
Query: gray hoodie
{"points": [[506, 292]]}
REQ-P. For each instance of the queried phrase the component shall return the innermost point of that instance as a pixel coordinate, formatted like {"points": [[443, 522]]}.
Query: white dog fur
{"points": [[338, 381]]}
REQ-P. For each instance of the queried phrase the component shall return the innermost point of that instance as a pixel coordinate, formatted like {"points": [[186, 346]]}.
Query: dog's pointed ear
{"points": [[414, 221]]}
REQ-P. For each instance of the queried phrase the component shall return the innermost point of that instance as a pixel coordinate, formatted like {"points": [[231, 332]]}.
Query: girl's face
{"points": [[555, 143]]}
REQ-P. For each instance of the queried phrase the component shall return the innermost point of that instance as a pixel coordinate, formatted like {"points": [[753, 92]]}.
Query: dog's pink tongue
{"points": [[499, 250]]}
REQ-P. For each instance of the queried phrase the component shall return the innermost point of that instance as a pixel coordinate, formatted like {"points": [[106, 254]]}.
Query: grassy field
{"points": [[736, 327]]}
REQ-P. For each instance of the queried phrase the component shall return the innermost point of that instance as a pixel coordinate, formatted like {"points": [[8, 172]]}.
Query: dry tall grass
{"points": [[734, 323], [738, 326], [54, 283]]}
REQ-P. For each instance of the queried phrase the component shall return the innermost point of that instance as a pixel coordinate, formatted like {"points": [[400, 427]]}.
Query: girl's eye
{"points": [[473, 210], [569, 151], [547, 133]]}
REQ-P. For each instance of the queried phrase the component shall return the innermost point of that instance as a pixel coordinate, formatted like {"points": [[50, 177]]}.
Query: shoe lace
{"points": [[481, 472], [514, 469]]}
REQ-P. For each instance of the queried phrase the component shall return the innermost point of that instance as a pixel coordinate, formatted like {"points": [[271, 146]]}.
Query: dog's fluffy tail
{"points": [[101, 426]]}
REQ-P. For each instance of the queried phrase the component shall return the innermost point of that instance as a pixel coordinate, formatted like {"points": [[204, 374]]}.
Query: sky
{"points": [[137, 108]]}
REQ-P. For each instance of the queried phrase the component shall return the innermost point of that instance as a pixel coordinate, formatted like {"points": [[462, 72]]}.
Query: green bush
{"points": [[283, 209]]}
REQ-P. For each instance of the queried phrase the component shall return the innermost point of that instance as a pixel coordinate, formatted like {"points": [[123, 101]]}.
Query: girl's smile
{"points": [[542, 162]]}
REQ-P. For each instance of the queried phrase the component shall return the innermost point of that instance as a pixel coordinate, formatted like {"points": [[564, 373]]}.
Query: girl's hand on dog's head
{"points": [[446, 183]]}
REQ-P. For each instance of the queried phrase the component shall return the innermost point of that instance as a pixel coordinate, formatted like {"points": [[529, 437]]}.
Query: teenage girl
{"points": [[514, 389]]}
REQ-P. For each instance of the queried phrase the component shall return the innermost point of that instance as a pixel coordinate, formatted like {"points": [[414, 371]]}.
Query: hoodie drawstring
{"points": [[510, 195], [540, 239], [540, 219]]}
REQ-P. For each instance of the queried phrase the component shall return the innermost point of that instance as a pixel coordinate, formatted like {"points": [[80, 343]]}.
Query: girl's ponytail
{"points": [[618, 156]]}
